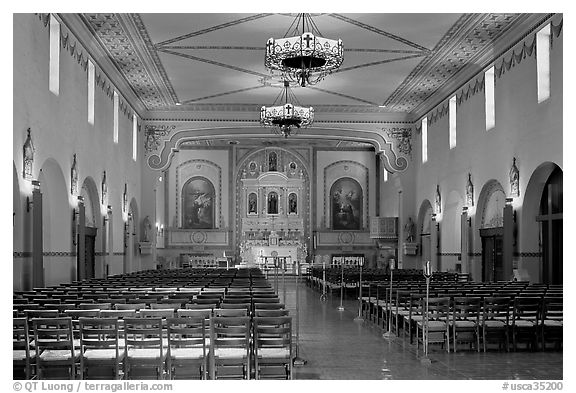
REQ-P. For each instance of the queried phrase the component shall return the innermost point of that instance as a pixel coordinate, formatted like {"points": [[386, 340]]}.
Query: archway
{"points": [[490, 225], [131, 230], [541, 259], [89, 265], [58, 260], [424, 228]]}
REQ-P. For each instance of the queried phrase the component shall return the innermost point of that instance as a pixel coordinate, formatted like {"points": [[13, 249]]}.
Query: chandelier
{"points": [[305, 57], [284, 115]]}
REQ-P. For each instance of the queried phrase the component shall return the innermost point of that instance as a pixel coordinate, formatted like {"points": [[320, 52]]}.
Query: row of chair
{"points": [[181, 347]]}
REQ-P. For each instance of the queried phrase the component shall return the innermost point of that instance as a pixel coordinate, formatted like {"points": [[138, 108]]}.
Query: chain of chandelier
{"points": [[301, 57]]}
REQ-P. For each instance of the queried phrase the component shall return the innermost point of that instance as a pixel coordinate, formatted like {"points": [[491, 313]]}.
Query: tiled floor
{"points": [[338, 348]]}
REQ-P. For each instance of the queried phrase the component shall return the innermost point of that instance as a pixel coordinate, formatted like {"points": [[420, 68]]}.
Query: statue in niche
{"points": [[125, 198], [292, 204], [252, 204], [469, 191], [272, 203], [147, 227], [409, 230], [28, 157], [438, 201], [74, 177], [104, 187], [514, 180], [272, 162]]}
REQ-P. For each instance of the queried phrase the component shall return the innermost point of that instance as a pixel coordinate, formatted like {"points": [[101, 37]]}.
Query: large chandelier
{"points": [[286, 113], [305, 57]]}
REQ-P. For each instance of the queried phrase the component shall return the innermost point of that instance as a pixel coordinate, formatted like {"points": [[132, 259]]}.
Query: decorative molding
{"points": [[528, 254], [59, 253], [22, 254], [403, 138], [153, 133], [118, 253]]}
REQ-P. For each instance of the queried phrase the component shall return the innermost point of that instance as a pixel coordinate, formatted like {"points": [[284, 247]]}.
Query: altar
{"points": [[273, 252]]}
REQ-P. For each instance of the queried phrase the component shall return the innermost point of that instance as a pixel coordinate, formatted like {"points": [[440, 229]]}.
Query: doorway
{"points": [[550, 225], [87, 263], [492, 261]]}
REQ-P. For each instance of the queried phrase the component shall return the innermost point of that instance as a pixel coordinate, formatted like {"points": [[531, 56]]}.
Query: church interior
{"points": [[288, 196]]}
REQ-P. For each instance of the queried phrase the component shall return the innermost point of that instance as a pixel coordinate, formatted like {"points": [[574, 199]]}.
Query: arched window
{"points": [[347, 202], [198, 208]]}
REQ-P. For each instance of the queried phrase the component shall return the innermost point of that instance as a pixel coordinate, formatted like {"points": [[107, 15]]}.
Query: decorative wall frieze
{"points": [[503, 64], [72, 46]]}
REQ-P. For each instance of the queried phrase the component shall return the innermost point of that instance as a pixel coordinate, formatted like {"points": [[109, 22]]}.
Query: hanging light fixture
{"points": [[286, 113], [305, 57]]}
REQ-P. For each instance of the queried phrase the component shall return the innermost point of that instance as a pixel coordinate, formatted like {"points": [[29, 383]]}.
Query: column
{"points": [[37, 239], [464, 247], [508, 240]]}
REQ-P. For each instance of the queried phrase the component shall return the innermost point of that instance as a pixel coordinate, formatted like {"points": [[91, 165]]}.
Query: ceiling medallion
{"points": [[305, 58], [284, 115]]}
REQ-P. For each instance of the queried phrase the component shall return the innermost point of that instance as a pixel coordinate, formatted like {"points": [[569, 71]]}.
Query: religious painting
{"points": [[252, 203], [292, 204], [273, 203], [347, 202], [198, 204]]}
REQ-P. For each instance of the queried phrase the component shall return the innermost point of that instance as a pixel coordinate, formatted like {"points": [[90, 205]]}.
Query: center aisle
{"points": [[338, 348]]}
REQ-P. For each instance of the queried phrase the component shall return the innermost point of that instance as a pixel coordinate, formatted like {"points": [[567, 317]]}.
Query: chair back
{"points": [[157, 313]]}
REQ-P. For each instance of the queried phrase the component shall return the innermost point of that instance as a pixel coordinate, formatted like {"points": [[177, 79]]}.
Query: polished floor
{"points": [[336, 347]]}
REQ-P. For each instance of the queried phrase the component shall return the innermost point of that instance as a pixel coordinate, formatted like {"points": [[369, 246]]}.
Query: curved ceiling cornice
{"points": [[162, 159]]}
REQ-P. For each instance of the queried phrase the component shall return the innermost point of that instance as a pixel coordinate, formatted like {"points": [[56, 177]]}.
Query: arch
{"points": [[346, 204], [423, 230], [531, 259], [89, 191], [59, 262], [198, 203], [490, 204]]}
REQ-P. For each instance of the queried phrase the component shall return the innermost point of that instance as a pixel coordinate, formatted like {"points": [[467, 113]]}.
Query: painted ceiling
{"points": [[215, 62]]}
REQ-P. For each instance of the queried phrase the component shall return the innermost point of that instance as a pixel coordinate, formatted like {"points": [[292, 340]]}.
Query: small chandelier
{"points": [[284, 115], [305, 58]]}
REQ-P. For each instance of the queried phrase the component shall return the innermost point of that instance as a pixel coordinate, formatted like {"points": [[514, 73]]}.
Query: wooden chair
{"points": [[187, 349], [415, 314], [273, 347], [438, 320], [270, 313], [21, 357], [465, 322], [495, 321], [144, 350], [53, 341], [100, 354], [552, 321], [231, 312], [526, 321], [230, 347]]}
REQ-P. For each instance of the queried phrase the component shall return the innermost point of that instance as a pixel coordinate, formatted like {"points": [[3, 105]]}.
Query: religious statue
{"points": [[252, 204], [409, 230], [469, 191], [438, 201], [147, 227], [514, 180], [74, 177], [273, 162], [104, 187], [272, 203], [28, 157], [292, 204], [125, 198]]}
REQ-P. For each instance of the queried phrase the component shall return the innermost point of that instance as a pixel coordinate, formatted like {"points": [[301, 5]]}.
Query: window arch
{"points": [[198, 208]]}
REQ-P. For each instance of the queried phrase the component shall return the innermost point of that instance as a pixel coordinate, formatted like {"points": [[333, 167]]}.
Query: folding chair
{"points": [[187, 355], [100, 355], [273, 347], [230, 347], [144, 350], [53, 341]]}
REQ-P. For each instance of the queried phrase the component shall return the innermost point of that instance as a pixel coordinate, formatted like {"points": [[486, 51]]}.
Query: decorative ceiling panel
{"points": [[215, 62]]}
